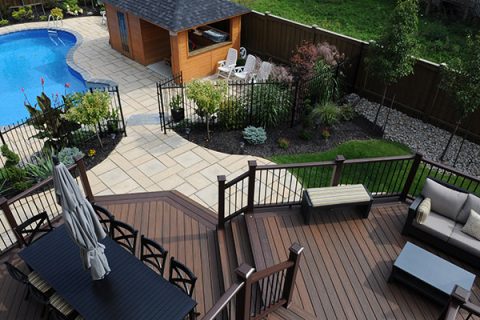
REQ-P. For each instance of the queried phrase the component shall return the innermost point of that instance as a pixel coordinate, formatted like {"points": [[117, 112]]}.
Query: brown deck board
{"points": [[346, 263]]}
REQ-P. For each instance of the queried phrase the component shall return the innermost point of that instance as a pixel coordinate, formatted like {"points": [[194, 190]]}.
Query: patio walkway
{"points": [[146, 160]]}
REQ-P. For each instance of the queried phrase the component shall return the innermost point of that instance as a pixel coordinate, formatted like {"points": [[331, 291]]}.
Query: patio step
{"points": [[292, 313]]}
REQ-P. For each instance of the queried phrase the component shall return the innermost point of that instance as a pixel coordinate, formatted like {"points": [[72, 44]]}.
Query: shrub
{"points": [[232, 113], [324, 84], [68, 155], [271, 104], [283, 143], [23, 14], [280, 74], [347, 113], [57, 13], [254, 135], [3, 22], [306, 135], [12, 177], [12, 159], [326, 115], [43, 18], [176, 102], [40, 169], [326, 133], [72, 7]]}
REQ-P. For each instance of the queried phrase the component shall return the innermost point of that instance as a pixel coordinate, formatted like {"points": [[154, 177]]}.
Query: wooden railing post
{"points": [[244, 296], [411, 176], [84, 178], [295, 255], [337, 170], [458, 297], [221, 201], [10, 218], [252, 168]]}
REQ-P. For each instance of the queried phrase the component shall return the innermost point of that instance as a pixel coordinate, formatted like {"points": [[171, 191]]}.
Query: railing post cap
{"points": [[340, 158], [267, 13], [221, 178], [314, 26], [460, 294], [244, 271], [252, 163], [3, 200], [296, 248], [418, 154]]}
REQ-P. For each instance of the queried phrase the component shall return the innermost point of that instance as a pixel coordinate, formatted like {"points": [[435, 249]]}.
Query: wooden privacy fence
{"points": [[417, 95]]}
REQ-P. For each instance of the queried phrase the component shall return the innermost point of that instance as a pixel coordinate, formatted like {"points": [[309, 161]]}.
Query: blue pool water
{"points": [[25, 58]]}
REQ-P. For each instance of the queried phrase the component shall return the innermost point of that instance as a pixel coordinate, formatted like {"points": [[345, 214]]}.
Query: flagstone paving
{"points": [[147, 159]]}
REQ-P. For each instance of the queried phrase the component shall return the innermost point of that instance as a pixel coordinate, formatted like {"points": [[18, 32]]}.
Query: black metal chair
{"points": [[124, 234], [182, 277], [104, 216], [153, 254], [34, 228], [19, 276]]}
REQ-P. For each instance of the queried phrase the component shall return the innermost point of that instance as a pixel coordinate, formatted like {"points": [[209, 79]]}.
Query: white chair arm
{"points": [[221, 62], [239, 69]]}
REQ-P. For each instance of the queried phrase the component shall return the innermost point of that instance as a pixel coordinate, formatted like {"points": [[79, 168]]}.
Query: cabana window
{"points": [[211, 35]]}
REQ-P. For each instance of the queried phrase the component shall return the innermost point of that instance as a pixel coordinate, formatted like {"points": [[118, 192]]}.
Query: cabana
{"points": [[190, 36]]}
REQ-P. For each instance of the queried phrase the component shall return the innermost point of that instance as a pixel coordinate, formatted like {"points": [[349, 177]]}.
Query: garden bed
{"points": [[230, 141]]}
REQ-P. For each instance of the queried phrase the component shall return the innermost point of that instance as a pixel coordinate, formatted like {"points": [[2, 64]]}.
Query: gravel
{"points": [[420, 136]]}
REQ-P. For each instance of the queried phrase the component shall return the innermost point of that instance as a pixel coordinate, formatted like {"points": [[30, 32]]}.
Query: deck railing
{"points": [[38, 198], [256, 294], [395, 178], [457, 302]]}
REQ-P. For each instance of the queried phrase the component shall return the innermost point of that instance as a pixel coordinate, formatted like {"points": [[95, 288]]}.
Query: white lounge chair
{"points": [[226, 67], [264, 71], [246, 72]]}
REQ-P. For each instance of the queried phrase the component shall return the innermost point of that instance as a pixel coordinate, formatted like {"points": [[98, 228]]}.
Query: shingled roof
{"points": [[178, 15]]}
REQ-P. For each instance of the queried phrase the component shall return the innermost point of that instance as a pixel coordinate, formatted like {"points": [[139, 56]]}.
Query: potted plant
{"points": [[176, 108], [113, 121]]}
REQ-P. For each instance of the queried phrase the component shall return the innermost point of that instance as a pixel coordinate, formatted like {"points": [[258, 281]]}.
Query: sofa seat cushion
{"points": [[437, 225], [473, 202], [445, 201], [463, 241]]}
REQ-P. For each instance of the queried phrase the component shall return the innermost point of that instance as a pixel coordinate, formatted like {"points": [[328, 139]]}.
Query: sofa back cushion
{"points": [[473, 202], [445, 201]]}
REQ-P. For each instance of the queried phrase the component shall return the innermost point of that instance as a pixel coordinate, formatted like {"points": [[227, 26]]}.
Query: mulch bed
{"points": [[101, 154], [229, 141]]}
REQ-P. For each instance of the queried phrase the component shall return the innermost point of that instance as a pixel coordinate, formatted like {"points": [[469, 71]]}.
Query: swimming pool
{"points": [[25, 58]]}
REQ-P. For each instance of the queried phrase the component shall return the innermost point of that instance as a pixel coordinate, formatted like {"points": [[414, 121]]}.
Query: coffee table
{"points": [[429, 274]]}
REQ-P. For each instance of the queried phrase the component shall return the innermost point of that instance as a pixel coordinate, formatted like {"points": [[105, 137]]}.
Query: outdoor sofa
{"points": [[442, 228]]}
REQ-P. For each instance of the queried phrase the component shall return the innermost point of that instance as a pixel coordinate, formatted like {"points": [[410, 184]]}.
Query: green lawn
{"points": [[365, 20]]}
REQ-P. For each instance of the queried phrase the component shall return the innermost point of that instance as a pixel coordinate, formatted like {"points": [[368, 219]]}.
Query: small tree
{"points": [[91, 108], [461, 81], [391, 58], [208, 96]]}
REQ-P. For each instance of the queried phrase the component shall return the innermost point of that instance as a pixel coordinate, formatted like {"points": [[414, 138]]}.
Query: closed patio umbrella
{"points": [[81, 222]]}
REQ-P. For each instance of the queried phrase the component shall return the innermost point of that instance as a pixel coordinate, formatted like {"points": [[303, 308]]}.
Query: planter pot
{"points": [[178, 114], [113, 126]]}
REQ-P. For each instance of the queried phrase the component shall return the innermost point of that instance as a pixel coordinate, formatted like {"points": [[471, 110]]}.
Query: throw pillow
{"points": [[445, 201], [423, 210], [472, 227]]}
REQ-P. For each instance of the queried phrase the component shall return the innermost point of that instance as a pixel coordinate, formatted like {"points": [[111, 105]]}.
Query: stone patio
{"points": [[146, 160]]}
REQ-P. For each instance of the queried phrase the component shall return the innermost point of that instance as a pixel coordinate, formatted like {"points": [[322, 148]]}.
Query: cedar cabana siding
{"points": [[203, 62]]}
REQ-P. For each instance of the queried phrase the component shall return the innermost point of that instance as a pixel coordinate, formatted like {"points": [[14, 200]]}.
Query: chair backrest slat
{"points": [[182, 277], [231, 57], [34, 228], [16, 273], [250, 64], [104, 216], [153, 254], [264, 71], [124, 234]]}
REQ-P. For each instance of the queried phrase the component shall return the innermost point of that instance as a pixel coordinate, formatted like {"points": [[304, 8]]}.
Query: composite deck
{"points": [[346, 263], [186, 229]]}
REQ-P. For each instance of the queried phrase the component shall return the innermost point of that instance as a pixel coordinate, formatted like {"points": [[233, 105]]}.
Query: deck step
{"points": [[243, 250], [292, 313]]}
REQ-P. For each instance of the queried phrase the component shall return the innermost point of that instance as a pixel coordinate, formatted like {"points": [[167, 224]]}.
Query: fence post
{"points": [[10, 218], [411, 176], [221, 201], [337, 170], [244, 296], [84, 178], [458, 297], [1, 138], [295, 255], [252, 168]]}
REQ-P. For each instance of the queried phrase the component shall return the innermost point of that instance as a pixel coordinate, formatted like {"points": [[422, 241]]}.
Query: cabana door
{"points": [[122, 26]]}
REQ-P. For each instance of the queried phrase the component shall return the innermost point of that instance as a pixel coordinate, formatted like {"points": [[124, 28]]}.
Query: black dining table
{"points": [[131, 290]]}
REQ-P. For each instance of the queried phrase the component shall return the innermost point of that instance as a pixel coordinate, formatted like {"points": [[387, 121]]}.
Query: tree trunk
{"points": [[208, 126], [444, 153], [99, 139], [381, 104]]}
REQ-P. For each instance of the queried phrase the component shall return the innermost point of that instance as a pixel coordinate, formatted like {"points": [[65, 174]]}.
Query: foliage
{"points": [[12, 176], [57, 13], [72, 7], [326, 115], [280, 74], [306, 135], [271, 104], [23, 14], [12, 159], [283, 143], [4, 22], [90, 109], [176, 103], [326, 133], [207, 95], [68, 155], [92, 152], [232, 113], [254, 135], [40, 169], [43, 18], [347, 113], [392, 56], [324, 85]]}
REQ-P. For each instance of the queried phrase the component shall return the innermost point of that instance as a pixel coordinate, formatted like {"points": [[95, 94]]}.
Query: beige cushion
{"points": [[463, 241], [445, 201], [437, 225], [423, 210], [472, 227], [473, 202], [338, 195]]}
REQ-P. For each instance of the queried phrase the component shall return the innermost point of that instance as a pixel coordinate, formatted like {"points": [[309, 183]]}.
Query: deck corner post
{"points": [[337, 170], [244, 296], [84, 178], [10, 218], [252, 168], [296, 251], [411, 176], [221, 201]]}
